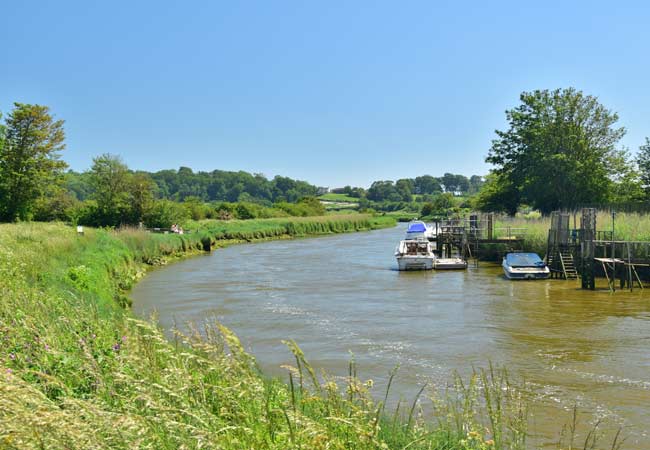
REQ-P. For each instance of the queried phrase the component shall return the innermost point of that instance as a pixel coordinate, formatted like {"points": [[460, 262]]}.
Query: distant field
{"points": [[331, 197]]}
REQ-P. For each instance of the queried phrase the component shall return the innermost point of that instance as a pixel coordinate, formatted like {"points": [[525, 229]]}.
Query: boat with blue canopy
{"points": [[419, 230]]}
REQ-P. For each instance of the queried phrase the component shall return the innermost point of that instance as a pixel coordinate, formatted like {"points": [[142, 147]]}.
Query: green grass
{"points": [[78, 371], [342, 198]]}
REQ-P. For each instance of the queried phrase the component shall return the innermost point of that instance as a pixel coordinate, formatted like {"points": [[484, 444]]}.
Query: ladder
{"points": [[568, 266]]}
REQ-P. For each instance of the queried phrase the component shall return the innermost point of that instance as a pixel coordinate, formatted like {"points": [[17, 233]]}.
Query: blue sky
{"points": [[331, 92]]}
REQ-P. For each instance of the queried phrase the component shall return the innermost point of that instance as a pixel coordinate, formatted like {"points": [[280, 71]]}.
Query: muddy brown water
{"points": [[342, 294]]}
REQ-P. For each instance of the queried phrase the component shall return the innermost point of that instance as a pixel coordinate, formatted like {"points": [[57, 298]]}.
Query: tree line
{"points": [[404, 189], [218, 185], [561, 150], [35, 185]]}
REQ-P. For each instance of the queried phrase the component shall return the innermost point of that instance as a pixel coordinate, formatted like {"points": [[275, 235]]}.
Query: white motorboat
{"points": [[525, 266], [415, 254], [450, 264], [420, 230]]}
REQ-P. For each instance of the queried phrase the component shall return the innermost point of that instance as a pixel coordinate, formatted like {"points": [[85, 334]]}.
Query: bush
{"points": [[164, 213]]}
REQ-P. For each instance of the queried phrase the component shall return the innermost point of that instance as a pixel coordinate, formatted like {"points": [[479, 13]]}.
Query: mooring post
{"points": [[490, 226], [629, 267], [587, 248]]}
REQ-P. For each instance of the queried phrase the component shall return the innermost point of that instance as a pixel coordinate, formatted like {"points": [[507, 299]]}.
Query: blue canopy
{"points": [[524, 260], [417, 227]]}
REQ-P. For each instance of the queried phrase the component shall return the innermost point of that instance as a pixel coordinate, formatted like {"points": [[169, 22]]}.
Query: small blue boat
{"points": [[525, 266]]}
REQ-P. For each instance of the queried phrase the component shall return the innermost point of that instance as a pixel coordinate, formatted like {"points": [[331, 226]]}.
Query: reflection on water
{"points": [[340, 294]]}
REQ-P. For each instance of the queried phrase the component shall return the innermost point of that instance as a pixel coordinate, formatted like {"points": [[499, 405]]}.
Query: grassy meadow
{"points": [[79, 371], [341, 198]]}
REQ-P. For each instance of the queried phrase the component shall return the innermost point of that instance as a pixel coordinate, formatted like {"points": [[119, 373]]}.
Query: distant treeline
{"points": [[217, 185], [35, 186], [404, 189]]}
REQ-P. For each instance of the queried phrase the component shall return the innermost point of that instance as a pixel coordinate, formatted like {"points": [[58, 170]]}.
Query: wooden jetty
{"points": [[582, 252], [467, 237]]}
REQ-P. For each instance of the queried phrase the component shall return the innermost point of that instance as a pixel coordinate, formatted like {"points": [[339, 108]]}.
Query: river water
{"points": [[339, 294]]}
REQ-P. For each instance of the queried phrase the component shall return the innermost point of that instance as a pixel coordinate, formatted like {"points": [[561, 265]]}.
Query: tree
{"points": [[405, 188], [498, 194], [111, 182], [427, 209], [141, 189], [380, 191], [475, 183], [643, 161], [426, 184], [443, 202], [557, 150], [463, 183], [29, 159], [450, 182]]}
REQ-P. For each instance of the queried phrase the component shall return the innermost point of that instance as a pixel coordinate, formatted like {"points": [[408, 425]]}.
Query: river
{"points": [[342, 294]]}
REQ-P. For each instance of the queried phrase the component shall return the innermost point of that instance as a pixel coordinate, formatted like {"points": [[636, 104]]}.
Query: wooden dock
{"points": [[586, 252], [467, 238]]}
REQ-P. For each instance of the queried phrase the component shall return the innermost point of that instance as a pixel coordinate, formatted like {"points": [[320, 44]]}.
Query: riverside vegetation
{"points": [[78, 370], [628, 227]]}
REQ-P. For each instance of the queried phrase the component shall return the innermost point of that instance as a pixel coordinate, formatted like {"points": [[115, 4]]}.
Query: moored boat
{"points": [[450, 264], [525, 266], [415, 254]]}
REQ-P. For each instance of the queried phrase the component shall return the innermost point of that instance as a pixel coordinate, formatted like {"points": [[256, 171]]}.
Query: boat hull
{"points": [[524, 266], [526, 273], [450, 264], [415, 262]]}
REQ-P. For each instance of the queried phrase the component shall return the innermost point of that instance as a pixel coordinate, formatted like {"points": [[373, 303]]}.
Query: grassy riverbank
{"points": [[77, 370]]}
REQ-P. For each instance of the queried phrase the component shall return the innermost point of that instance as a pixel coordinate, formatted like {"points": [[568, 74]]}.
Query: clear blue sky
{"points": [[331, 92]]}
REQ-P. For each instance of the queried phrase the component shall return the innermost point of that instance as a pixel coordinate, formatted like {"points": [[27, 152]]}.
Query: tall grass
{"points": [[627, 226], [78, 371]]}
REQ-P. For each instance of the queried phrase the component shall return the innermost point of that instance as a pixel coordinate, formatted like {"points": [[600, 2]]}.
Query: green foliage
{"points": [[559, 150], [342, 198], [307, 206], [643, 162], [349, 191], [383, 191], [455, 183], [111, 180], [30, 143], [141, 188], [475, 184], [534, 228], [426, 184], [498, 194], [165, 213], [443, 202], [56, 204], [243, 212]]}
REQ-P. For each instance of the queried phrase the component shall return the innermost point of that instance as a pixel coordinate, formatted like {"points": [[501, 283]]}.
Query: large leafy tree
{"points": [[111, 182], [559, 150], [29, 159], [426, 184], [405, 188], [498, 195]]}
